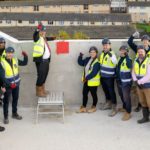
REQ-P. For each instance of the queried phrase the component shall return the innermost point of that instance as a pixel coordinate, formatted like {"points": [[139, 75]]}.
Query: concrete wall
{"points": [[65, 73]]}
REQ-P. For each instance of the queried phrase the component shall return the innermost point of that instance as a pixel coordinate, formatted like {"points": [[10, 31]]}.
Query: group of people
{"points": [[9, 71], [107, 68], [102, 70]]}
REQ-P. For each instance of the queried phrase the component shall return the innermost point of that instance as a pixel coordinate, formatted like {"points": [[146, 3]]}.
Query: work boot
{"points": [[145, 118], [82, 110], [138, 108], [107, 105], [45, 91], [6, 120], [16, 116], [39, 91], [92, 109], [121, 110], [126, 116], [113, 111], [2, 129]]}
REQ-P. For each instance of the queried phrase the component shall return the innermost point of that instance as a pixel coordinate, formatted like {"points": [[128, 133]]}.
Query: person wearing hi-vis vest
{"points": [[41, 57], [11, 79], [124, 81], [90, 79], [146, 43], [141, 77], [2, 47], [108, 63]]}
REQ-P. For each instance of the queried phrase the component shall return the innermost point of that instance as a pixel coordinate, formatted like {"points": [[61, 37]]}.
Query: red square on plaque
{"points": [[62, 47]]}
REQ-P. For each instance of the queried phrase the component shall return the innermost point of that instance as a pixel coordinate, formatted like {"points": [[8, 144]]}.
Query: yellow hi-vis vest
{"points": [[96, 80], [11, 73], [38, 48], [125, 73], [107, 66], [141, 70], [4, 54]]}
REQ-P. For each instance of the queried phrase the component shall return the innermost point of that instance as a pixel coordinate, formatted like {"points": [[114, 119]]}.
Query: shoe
{"points": [[121, 110], [82, 110], [113, 112], [16, 116], [126, 116], [39, 91], [107, 105], [138, 108], [92, 109], [6, 121], [46, 92], [2, 129], [145, 118]]}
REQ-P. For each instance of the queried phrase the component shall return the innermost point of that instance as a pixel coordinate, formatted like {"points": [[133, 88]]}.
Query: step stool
{"points": [[53, 99]]}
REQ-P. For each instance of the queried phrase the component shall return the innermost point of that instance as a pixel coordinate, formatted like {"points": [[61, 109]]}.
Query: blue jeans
{"points": [[124, 93]]}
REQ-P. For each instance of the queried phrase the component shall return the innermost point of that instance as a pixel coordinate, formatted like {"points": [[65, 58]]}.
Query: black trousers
{"points": [[124, 93], [7, 96], [109, 90], [93, 91], [42, 72]]}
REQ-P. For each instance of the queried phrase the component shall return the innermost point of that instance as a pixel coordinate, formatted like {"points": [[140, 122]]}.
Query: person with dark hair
{"points": [[124, 81], [41, 57], [90, 79], [2, 88], [146, 43]]}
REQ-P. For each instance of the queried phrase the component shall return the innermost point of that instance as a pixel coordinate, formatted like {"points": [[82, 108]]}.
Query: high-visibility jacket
{"points": [[107, 66], [95, 81], [125, 73], [141, 70], [38, 49], [11, 72]]}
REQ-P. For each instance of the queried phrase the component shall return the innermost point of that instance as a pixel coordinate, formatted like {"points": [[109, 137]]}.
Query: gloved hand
{"points": [[136, 34], [13, 85], [54, 37], [81, 54], [109, 54], [24, 53]]}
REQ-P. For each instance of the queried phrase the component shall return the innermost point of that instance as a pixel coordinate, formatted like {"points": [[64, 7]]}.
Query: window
{"points": [[92, 22], [19, 21], [61, 22], [80, 22], [8, 21], [86, 6], [50, 22], [36, 8], [71, 22], [31, 22]]}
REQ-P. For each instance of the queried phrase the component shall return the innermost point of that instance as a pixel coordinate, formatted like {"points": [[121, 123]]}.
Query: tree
{"points": [[80, 35]]}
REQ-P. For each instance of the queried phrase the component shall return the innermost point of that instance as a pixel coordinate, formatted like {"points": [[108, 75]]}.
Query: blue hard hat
{"points": [[140, 47], [10, 50], [2, 40], [124, 47], [145, 37], [106, 41]]}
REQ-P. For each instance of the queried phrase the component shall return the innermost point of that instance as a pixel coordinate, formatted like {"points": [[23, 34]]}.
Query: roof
{"points": [[52, 2], [94, 32], [135, 4], [66, 17]]}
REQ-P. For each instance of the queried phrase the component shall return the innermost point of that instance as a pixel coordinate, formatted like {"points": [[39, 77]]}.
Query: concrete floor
{"points": [[94, 131]]}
